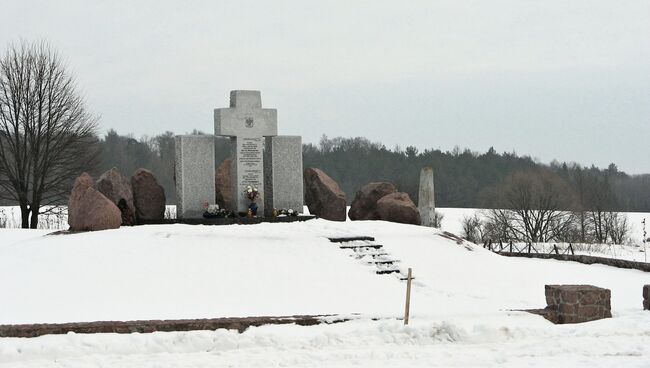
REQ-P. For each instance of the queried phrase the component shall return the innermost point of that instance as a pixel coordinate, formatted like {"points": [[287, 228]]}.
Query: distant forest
{"points": [[463, 178]]}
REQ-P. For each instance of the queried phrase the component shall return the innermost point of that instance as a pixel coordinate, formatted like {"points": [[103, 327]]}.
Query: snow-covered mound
{"points": [[183, 271], [462, 300]]}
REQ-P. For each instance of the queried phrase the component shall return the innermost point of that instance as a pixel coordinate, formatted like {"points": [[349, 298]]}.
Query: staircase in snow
{"points": [[365, 250]]}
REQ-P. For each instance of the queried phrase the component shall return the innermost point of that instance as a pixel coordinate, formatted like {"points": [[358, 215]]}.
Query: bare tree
{"points": [[538, 207], [472, 228], [617, 227], [580, 183], [600, 201], [47, 137]]}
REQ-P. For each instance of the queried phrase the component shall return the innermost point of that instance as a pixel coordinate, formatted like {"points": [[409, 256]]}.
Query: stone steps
{"points": [[386, 262], [361, 255], [366, 251], [351, 238], [392, 270], [370, 246]]}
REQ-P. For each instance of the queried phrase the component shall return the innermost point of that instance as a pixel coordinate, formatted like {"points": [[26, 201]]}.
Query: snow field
{"points": [[463, 299]]}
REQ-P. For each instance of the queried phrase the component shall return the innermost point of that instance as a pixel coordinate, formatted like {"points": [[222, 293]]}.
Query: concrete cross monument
{"points": [[260, 158], [253, 132], [246, 122]]}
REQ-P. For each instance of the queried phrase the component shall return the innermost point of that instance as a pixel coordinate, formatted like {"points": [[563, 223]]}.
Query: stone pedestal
{"points": [[283, 174], [426, 199], [194, 174], [577, 303]]}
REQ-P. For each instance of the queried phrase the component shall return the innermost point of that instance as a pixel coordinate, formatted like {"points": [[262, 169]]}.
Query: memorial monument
{"points": [[260, 158]]}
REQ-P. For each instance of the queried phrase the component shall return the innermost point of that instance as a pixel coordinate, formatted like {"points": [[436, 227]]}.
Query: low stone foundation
{"points": [[125, 327], [577, 303], [646, 297]]}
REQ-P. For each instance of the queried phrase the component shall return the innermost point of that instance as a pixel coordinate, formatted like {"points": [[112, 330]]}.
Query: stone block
{"points": [[577, 303], [194, 173], [283, 174]]}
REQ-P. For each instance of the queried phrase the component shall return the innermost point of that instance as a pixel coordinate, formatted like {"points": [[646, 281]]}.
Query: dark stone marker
{"points": [[646, 297]]}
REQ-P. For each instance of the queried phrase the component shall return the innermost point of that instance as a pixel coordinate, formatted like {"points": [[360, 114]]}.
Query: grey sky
{"points": [[553, 79]]}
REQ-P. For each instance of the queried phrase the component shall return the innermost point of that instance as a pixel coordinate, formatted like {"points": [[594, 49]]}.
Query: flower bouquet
{"points": [[252, 194]]}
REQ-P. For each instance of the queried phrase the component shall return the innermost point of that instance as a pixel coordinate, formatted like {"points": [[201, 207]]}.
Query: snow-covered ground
{"points": [[462, 313]]}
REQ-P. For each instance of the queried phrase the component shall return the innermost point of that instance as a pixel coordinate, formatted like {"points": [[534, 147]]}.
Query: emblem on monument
{"points": [[249, 122]]}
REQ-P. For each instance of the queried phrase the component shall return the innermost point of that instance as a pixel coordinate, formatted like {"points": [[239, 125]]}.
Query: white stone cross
{"points": [[245, 117], [247, 123]]}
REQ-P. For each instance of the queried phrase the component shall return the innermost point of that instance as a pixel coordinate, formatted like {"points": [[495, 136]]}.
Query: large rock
{"points": [[90, 210], [323, 196], [398, 207], [364, 206], [148, 196], [117, 187], [223, 185]]}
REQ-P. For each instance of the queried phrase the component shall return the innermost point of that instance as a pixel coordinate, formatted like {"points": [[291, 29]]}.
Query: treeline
{"points": [[463, 178]]}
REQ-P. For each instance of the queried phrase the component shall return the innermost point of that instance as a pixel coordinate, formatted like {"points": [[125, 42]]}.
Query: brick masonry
{"points": [[577, 303]]}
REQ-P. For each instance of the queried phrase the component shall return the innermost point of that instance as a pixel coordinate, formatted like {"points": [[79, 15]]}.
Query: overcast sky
{"points": [[566, 80]]}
